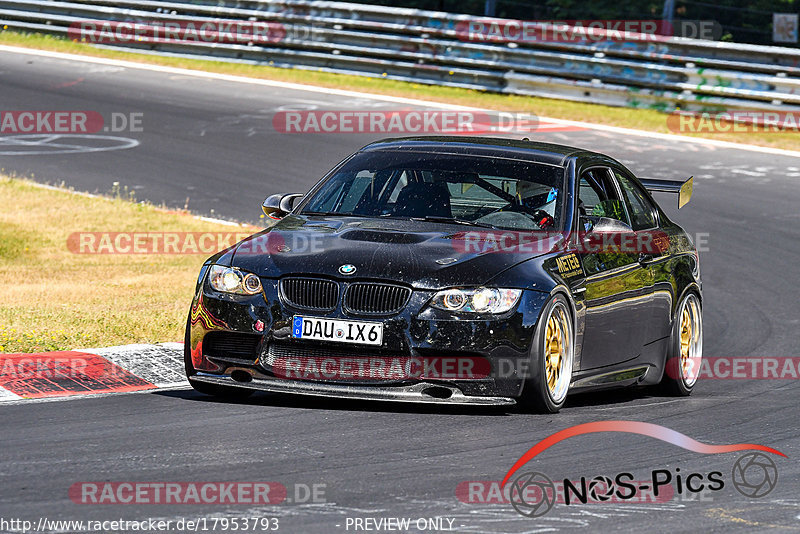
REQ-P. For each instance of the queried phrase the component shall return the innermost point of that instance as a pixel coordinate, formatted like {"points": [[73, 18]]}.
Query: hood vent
{"points": [[372, 236]]}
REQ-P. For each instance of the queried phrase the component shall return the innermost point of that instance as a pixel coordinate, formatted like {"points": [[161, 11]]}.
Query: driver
{"points": [[537, 197]]}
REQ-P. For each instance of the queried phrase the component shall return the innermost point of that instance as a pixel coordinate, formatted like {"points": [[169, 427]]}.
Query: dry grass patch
{"points": [[55, 299]]}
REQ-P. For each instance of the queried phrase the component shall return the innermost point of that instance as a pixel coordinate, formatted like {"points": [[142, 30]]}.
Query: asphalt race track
{"points": [[213, 142]]}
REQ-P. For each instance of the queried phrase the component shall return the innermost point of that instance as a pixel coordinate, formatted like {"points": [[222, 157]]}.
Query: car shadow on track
{"points": [[610, 398], [276, 400]]}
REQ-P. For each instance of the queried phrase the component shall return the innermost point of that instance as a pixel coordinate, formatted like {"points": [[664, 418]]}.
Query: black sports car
{"points": [[455, 270]]}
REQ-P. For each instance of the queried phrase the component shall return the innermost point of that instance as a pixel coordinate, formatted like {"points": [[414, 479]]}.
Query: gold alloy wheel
{"points": [[558, 352], [691, 339]]}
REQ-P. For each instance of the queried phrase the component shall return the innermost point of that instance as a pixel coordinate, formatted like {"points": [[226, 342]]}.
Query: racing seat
{"points": [[423, 199]]}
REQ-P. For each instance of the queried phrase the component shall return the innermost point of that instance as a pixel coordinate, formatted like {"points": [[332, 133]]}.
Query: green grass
{"points": [[56, 299], [649, 120]]}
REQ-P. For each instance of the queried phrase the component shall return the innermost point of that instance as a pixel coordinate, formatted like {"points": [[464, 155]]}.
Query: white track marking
{"points": [[161, 365], [385, 98], [46, 144], [87, 396], [92, 195], [6, 396]]}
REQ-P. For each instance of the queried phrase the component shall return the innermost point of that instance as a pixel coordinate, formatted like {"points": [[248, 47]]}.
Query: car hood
{"points": [[421, 254]]}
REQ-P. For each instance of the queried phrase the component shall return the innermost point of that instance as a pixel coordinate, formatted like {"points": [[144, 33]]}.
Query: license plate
{"points": [[337, 330]]}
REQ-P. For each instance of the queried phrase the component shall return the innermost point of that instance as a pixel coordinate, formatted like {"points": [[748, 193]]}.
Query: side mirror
{"points": [[601, 225], [279, 205]]}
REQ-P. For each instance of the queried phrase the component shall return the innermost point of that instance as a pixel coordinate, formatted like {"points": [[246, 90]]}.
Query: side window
{"points": [[588, 196], [598, 197], [639, 207]]}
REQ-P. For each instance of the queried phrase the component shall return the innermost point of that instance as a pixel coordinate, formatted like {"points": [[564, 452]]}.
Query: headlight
{"points": [[227, 280], [478, 300]]}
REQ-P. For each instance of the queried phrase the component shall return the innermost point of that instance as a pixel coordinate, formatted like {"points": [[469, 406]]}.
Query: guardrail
{"points": [[429, 47]]}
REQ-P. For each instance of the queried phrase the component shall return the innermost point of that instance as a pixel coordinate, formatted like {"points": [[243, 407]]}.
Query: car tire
{"points": [[552, 355], [685, 351], [208, 389]]}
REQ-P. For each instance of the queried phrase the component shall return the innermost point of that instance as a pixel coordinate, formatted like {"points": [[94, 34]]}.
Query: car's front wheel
{"points": [[207, 389], [552, 354], [686, 348]]}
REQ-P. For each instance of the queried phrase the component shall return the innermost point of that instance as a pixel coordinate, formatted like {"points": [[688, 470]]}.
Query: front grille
{"points": [[310, 293], [231, 346], [372, 298]]}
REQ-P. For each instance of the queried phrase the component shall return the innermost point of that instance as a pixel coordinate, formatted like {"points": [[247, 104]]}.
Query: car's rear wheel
{"points": [[685, 352], [552, 354], [207, 389]]}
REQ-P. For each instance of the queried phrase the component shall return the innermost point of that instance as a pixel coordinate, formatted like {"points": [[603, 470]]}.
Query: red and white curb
{"points": [[121, 369]]}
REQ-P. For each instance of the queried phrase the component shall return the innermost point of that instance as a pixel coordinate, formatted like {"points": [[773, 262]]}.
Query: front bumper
{"points": [[418, 332]]}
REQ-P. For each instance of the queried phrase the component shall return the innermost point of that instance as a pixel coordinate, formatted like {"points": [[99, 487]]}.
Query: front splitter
{"points": [[422, 392]]}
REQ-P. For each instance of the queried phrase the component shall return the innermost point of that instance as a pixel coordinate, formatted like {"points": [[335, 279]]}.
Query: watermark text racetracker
{"points": [[186, 493], [597, 490], [69, 122], [177, 493], [186, 31], [403, 121], [190, 243], [541, 242], [359, 368], [244, 523], [734, 121], [586, 31], [25, 367], [741, 368]]}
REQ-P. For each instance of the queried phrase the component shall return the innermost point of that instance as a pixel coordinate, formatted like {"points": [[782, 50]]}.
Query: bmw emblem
{"points": [[347, 269]]}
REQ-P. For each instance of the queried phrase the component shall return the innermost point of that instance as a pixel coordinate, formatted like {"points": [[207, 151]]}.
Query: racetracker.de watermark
{"points": [[68, 122], [198, 523], [382, 368], [599, 490], [404, 121], [32, 367], [740, 121], [183, 492], [577, 31], [186, 31], [166, 243], [541, 242], [740, 368]]}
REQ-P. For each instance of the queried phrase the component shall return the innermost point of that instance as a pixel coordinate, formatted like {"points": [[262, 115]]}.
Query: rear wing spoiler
{"points": [[682, 188]]}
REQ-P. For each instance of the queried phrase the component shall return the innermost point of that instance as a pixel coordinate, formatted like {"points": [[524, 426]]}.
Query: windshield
{"points": [[482, 191]]}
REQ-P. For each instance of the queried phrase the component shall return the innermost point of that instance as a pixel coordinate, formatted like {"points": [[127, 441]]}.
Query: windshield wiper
{"points": [[321, 213], [427, 218], [452, 220]]}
